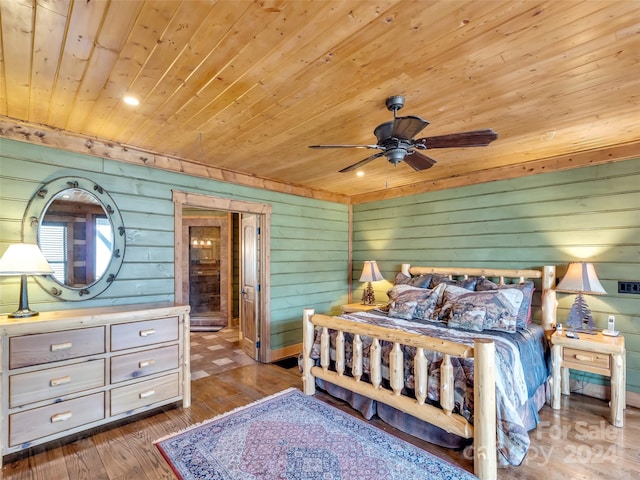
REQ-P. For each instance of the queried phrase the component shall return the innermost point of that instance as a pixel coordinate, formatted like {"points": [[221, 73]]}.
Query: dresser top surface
{"points": [[97, 314]]}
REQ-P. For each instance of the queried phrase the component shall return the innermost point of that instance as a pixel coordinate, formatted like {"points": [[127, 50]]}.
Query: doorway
{"points": [[206, 240], [257, 323]]}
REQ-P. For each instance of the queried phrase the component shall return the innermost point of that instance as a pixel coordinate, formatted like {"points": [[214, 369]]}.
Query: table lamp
{"points": [[370, 273], [24, 259], [580, 278]]}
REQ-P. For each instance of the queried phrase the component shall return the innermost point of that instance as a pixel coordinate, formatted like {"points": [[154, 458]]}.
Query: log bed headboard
{"points": [[546, 274]]}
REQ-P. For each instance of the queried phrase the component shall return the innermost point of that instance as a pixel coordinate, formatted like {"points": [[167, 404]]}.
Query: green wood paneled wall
{"points": [[548, 219], [309, 238]]}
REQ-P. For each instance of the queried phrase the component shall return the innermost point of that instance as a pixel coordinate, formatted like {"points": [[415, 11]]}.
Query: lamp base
{"points": [[579, 318], [24, 313], [368, 297], [23, 308]]}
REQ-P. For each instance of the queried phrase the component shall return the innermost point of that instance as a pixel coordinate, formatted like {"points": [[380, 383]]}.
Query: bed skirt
{"points": [[425, 431]]}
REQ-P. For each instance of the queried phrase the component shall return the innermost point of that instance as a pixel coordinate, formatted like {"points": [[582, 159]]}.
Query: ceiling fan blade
{"points": [[408, 127], [345, 146], [418, 161], [475, 138], [361, 162]]}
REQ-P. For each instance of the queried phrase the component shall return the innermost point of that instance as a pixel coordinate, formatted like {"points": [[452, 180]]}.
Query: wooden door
{"points": [[249, 284]]}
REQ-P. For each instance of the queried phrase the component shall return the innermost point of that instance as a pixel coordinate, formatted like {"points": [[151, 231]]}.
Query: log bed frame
{"points": [[484, 430]]}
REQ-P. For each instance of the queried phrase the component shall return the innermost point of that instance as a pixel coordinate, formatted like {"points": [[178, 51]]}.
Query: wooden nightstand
{"points": [[598, 354], [358, 307]]}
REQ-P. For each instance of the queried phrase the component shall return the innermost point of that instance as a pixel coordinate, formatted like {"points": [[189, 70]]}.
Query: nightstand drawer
{"points": [[140, 334], [40, 422], [42, 348], [582, 358], [55, 382]]}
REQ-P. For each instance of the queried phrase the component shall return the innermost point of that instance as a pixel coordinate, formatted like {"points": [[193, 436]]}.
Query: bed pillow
{"points": [[402, 308], [527, 288], [420, 281], [403, 300], [408, 302], [467, 283], [428, 305], [496, 308], [467, 316], [443, 312]]}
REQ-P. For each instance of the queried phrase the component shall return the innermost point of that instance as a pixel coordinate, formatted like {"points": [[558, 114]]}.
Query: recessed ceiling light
{"points": [[360, 173], [131, 100]]}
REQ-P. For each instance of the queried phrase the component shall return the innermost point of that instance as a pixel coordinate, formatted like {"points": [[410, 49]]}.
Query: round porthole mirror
{"points": [[79, 229]]}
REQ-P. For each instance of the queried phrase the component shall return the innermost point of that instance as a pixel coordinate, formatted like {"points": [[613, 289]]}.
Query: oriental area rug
{"points": [[292, 436]]}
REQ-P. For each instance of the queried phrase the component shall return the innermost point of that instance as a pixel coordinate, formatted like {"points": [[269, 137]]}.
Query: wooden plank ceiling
{"points": [[245, 86]]}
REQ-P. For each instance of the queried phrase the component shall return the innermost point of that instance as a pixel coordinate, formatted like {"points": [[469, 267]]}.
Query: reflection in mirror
{"points": [[75, 236], [80, 231]]}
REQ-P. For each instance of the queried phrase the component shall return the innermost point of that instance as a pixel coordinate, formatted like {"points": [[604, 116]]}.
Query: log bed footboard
{"points": [[483, 352]]}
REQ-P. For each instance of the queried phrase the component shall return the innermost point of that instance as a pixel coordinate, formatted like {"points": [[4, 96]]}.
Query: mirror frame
{"points": [[37, 208]]}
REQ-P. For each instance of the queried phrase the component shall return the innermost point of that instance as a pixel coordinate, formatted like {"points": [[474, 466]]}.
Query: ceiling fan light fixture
{"points": [[395, 155]]}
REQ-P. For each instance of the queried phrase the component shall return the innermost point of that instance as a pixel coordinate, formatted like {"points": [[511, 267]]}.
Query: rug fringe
{"points": [[237, 409]]}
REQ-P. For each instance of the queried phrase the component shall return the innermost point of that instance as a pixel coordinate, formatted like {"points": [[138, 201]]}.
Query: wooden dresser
{"points": [[66, 371]]}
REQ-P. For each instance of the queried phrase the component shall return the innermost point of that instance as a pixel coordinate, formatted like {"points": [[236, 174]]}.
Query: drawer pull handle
{"points": [[146, 363], [147, 333], [584, 358], [57, 347], [60, 417], [54, 382], [147, 394]]}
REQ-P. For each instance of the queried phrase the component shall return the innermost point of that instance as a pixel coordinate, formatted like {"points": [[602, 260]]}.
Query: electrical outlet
{"points": [[632, 288]]}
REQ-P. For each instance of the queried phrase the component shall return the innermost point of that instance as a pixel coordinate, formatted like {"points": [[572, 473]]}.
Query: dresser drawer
{"points": [[582, 359], [42, 348], [140, 334], [32, 387], [139, 364], [143, 394], [40, 422]]}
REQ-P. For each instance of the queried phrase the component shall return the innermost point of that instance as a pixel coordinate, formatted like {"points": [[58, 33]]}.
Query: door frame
{"points": [[188, 199]]}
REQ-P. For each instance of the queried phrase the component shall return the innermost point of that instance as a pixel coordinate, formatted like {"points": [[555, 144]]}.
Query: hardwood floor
{"points": [[573, 443]]}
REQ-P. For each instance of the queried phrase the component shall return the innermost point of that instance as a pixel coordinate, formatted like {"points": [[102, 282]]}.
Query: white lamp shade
{"points": [[581, 278], [24, 259], [370, 272]]}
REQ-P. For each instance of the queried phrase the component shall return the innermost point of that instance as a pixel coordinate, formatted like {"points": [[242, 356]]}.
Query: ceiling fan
{"points": [[396, 141]]}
